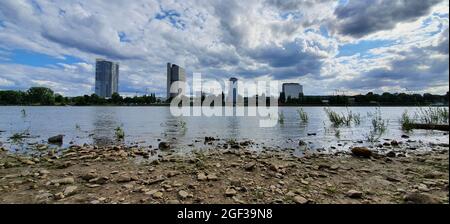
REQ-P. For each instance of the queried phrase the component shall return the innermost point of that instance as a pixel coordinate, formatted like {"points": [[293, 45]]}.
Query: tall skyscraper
{"points": [[175, 73], [106, 78], [233, 94], [292, 90]]}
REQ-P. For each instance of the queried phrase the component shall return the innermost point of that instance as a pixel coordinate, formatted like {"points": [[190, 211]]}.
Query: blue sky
{"points": [[353, 45]]}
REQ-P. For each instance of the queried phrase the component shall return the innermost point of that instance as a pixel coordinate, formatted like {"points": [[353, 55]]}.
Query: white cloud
{"points": [[270, 39]]}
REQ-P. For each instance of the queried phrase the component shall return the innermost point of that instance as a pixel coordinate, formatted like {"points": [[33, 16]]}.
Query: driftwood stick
{"points": [[439, 127]]}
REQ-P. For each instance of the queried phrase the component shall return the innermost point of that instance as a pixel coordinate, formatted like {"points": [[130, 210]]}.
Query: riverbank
{"points": [[120, 174]]}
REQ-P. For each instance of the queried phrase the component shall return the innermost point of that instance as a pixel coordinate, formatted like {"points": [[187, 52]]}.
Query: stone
{"points": [[395, 143], [88, 176], [66, 180], [157, 195], [230, 192], [201, 177], [99, 180], [44, 172], [164, 146], [70, 190], [302, 143], [58, 139], [405, 136], [250, 166], [59, 196], [361, 152], [183, 194], [212, 177], [420, 198], [123, 178], [354, 194], [300, 200], [391, 154]]}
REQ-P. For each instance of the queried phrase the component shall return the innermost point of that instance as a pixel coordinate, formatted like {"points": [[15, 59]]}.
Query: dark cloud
{"points": [[291, 5], [358, 18]]}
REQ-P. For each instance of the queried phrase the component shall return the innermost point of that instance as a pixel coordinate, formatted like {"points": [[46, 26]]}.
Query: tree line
{"points": [[46, 97], [370, 99]]}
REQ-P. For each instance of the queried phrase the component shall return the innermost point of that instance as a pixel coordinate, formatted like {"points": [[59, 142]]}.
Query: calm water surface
{"points": [[145, 125]]}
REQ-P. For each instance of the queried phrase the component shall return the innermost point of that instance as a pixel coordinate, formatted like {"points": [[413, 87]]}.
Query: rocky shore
{"points": [[232, 174]]}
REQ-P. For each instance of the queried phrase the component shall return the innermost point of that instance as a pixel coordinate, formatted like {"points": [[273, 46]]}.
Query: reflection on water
{"points": [[104, 125], [147, 125]]}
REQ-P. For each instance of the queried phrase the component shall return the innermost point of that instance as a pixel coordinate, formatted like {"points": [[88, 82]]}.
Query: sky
{"points": [[350, 46]]}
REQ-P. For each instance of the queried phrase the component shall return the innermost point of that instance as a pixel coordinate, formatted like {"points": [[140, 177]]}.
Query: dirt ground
{"points": [[119, 174]]}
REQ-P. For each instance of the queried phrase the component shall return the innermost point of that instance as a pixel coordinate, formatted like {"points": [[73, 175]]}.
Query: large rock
{"points": [[56, 139], [420, 198], [164, 146], [362, 152]]}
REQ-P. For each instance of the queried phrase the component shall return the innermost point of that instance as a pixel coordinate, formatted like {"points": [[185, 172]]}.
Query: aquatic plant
{"points": [[406, 121], [281, 117], [379, 126], [339, 120], [18, 137], [337, 133], [433, 115], [303, 115], [120, 134]]}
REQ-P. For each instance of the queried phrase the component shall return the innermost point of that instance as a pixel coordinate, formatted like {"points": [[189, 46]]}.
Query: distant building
{"points": [[292, 90], [175, 73], [106, 78], [232, 92]]}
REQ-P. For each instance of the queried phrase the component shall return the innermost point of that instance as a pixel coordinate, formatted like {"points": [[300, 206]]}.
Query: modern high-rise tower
{"points": [[106, 78], [232, 92], [175, 73]]}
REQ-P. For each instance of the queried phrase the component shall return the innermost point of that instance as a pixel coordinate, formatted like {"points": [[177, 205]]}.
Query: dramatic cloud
{"points": [[324, 44], [361, 17]]}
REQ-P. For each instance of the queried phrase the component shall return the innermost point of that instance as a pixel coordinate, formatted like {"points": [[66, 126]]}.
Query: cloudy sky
{"points": [[354, 46]]}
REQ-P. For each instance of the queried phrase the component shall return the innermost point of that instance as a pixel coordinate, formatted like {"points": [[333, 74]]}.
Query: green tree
{"points": [[41, 95], [116, 98]]}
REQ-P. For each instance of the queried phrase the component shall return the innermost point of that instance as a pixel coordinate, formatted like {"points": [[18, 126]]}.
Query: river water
{"points": [[149, 125]]}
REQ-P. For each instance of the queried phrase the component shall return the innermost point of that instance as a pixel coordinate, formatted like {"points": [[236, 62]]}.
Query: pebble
{"points": [[201, 177], [300, 200], [230, 192], [183, 194], [70, 190], [67, 180], [354, 194]]}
